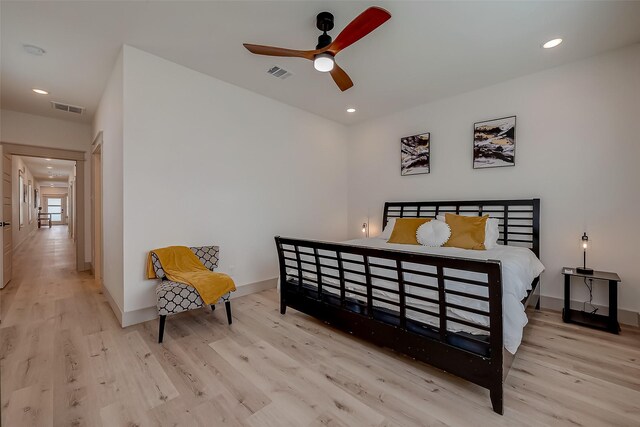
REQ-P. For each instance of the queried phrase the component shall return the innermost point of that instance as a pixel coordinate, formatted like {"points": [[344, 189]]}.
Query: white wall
{"points": [[109, 120], [206, 162], [54, 191], [30, 129], [23, 128], [19, 235], [577, 148]]}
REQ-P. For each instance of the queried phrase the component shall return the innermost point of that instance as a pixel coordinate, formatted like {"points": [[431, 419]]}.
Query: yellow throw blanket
{"points": [[181, 265]]}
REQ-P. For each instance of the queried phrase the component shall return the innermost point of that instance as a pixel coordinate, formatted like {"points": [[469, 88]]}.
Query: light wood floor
{"points": [[65, 361]]}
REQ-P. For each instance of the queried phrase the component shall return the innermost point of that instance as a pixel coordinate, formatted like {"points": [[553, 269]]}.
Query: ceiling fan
{"points": [[323, 56]]}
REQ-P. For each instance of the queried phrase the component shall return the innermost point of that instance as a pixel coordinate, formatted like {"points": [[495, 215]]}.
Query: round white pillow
{"points": [[433, 233]]}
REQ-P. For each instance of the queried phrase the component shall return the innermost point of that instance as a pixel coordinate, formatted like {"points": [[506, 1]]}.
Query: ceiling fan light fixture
{"points": [[323, 62]]}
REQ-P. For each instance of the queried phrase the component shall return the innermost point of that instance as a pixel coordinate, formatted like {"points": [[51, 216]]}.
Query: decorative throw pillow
{"points": [[433, 233], [404, 231], [491, 231], [386, 233], [467, 232]]}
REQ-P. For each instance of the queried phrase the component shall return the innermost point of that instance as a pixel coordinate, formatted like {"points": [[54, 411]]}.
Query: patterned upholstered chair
{"points": [[174, 297]]}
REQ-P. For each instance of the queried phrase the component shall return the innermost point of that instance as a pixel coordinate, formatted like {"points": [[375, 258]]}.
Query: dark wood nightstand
{"points": [[597, 321]]}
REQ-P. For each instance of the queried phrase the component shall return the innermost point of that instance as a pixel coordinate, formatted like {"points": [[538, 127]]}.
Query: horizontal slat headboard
{"points": [[519, 219]]}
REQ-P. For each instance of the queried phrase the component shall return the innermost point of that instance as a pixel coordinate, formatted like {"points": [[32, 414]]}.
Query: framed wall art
{"points": [[494, 143], [415, 154]]}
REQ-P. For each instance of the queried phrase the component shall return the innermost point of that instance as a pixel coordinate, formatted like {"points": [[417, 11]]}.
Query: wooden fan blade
{"points": [[362, 25], [278, 51], [341, 78]]}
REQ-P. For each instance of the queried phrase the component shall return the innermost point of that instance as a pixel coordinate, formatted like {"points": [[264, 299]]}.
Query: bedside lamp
{"points": [[585, 246], [365, 229]]}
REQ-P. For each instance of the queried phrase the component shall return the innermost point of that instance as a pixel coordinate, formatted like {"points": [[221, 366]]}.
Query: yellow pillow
{"points": [[467, 232], [404, 231]]}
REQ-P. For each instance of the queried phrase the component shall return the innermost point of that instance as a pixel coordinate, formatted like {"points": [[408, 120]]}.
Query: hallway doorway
{"points": [[79, 186], [39, 189]]}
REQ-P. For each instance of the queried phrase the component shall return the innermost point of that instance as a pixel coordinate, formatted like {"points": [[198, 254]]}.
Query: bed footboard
{"points": [[446, 312]]}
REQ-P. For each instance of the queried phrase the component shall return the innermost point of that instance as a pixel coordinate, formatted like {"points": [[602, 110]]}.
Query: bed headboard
{"points": [[519, 219]]}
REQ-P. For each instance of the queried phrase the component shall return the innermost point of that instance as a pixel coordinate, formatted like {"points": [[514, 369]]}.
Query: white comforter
{"points": [[520, 267]]}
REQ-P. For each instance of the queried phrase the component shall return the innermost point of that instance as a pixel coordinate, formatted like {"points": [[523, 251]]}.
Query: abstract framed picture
{"points": [[415, 154], [494, 143]]}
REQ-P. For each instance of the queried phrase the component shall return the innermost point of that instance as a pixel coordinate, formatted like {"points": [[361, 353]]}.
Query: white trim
{"points": [[252, 288], [139, 316], [129, 318], [626, 317], [114, 307]]}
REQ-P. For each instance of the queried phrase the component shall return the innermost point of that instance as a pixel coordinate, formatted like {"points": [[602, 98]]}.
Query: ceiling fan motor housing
{"points": [[324, 22]]}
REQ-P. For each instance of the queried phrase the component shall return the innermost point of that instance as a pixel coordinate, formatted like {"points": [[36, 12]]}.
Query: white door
{"points": [[56, 206], [5, 218]]}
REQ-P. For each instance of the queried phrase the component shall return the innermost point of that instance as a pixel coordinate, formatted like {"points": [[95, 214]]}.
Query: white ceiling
{"points": [[427, 51], [60, 170]]}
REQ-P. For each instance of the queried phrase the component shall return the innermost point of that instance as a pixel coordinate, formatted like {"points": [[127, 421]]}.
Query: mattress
{"points": [[520, 267]]}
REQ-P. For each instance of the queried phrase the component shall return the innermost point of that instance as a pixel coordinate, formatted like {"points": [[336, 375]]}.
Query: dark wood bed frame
{"points": [[321, 279]]}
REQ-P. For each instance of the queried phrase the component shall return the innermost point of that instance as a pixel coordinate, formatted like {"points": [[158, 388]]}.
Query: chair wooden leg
{"points": [[227, 305], [213, 307], [163, 318]]}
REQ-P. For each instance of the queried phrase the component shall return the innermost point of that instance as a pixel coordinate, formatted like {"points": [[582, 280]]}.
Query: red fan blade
{"points": [[279, 51], [364, 23], [341, 78]]}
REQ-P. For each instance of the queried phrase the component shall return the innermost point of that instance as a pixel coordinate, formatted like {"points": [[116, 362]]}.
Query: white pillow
{"points": [[386, 233], [433, 233], [491, 231]]}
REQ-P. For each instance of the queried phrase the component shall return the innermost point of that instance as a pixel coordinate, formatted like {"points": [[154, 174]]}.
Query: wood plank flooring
{"points": [[64, 361]]}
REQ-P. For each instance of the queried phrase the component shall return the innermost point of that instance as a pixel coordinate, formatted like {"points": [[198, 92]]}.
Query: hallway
{"points": [[44, 261], [44, 310]]}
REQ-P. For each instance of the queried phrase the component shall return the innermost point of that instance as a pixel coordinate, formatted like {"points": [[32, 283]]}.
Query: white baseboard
{"points": [[139, 316], [252, 288], [626, 317], [129, 318], [114, 307]]}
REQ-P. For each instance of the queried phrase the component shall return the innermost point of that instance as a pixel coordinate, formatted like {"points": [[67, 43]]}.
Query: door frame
{"points": [[79, 158], [97, 237]]}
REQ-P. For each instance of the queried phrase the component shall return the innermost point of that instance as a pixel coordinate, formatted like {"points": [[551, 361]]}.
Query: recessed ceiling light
{"points": [[40, 91], [34, 50], [351, 110], [49, 167], [48, 160], [552, 43]]}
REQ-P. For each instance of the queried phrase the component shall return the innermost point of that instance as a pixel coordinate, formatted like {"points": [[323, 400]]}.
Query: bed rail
{"points": [[413, 303]]}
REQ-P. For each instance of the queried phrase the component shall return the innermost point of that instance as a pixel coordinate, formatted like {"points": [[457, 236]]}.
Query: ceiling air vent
{"points": [[66, 107], [278, 72]]}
